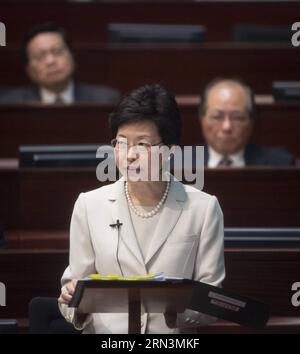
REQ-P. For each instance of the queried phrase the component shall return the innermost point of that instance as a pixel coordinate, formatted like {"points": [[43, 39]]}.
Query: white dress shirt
{"points": [[66, 96], [238, 159]]}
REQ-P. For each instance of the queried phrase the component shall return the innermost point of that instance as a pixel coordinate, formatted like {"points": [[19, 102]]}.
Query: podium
{"points": [[170, 295]]}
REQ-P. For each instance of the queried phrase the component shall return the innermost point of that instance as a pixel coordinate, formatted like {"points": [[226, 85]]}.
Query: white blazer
{"points": [[187, 242]]}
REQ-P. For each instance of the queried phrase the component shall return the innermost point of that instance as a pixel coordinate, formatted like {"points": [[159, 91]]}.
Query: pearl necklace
{"points": [[154, 211]]}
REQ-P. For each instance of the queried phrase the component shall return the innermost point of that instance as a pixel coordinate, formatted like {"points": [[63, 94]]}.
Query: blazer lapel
{"points": [[253, 155], [168, 219], [32, 94], [78, 93], [121, 212]]}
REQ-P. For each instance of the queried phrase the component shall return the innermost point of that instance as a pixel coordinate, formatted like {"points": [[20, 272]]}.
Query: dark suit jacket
{"points": [[82, 93], [261, 156]]}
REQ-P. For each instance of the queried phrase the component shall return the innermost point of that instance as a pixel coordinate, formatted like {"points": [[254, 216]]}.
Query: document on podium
{"points": [[117, 296], [102, 296]]}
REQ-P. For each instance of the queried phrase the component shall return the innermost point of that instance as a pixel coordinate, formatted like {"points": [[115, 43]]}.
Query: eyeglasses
{"points": [[235, 118], [123, 145], [56, 52]]}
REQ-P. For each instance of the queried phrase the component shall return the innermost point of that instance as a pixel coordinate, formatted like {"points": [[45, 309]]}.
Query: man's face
{"points": [[50, 62], [226, 124]]}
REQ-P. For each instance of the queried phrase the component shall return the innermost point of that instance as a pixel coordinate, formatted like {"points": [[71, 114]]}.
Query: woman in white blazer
{"points": [[166, 226]]}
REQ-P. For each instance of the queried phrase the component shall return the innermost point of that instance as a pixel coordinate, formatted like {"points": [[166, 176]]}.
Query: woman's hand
{"points": [[67, 292]]}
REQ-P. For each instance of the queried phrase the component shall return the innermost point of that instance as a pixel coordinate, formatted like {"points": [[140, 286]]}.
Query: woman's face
{"points": [[137, 143]]}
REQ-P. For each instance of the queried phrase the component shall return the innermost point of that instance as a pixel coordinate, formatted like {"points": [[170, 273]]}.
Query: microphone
{"points": [[117, 224]]}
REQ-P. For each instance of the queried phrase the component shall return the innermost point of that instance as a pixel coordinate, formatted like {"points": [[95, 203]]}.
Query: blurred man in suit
{"points": [[227, 114], [50, 65]]}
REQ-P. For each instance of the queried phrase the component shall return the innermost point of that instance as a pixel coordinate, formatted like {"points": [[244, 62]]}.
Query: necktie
{"points": [[225, 161]]}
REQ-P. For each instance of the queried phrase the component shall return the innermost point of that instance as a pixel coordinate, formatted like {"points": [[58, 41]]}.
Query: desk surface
{"points": [[218, 16], [43, 198], [277, 124]]}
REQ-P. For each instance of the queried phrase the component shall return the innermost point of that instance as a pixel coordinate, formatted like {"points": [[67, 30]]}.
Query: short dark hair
{"points": [[43, 28], [150, 102], [251, 101]]}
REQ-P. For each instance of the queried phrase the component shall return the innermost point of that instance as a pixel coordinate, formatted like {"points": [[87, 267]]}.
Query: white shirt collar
{"points": [[238, 159], [67, 95]]}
